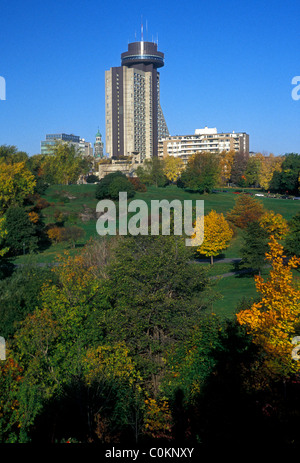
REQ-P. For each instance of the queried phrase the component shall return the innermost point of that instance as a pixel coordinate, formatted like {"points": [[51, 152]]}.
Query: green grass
{"points": [[232, 288]]}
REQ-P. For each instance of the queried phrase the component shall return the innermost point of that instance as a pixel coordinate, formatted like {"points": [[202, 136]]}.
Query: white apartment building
{"points": [[207, 139]]}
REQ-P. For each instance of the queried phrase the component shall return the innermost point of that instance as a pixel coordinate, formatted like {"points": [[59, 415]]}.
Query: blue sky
{"points": [[228, 64]]}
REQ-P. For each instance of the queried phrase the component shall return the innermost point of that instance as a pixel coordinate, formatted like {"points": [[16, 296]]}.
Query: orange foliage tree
{"points": [[274, 321]]}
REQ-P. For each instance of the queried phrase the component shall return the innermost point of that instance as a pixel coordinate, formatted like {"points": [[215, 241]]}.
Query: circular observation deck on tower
{"points": [[142, 53]]}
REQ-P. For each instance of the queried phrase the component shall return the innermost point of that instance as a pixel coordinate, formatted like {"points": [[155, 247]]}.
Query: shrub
{"points": [[92, 178], [112, 184], [103, 185], [118, 185], [137, 184]]}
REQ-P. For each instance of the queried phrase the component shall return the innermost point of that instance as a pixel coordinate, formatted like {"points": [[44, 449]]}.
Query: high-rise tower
{"points": [[134, 118]]}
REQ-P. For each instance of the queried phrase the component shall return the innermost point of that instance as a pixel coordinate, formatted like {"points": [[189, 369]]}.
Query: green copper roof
{"points": [[98, 134]]}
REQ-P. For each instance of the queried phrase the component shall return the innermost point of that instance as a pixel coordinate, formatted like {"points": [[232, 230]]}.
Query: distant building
{"points": [[134, 118], [207, 139], [80, 144], [98, 146]]}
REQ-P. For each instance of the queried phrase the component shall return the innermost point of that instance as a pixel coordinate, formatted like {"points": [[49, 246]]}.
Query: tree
{"points": [[72, 234], [65, 164], [274, 320], [287, 179], [245, 211], [173, 167], [292, 239], [3, 233], [9, 154], [102, 189], [120, 184], [217, 235], [274, 224], [191, 361], [239, 167], [21, 232], [269, 165], [152, 172], [157, 296], [255, 246], [226, 159], [16, 183], [252, 172], [202, 172], [92, 178]]}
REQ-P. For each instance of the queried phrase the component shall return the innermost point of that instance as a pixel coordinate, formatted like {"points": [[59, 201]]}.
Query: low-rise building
{"points": [[207, 139], [80, 144]]}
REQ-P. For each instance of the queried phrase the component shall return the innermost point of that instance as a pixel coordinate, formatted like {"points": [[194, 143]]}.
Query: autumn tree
{"points": [[246, 210], [16, 183], [239, 167], [274, 320], [269, 165], [173, 167], [226, 159], [217, 235], [274, 224]]}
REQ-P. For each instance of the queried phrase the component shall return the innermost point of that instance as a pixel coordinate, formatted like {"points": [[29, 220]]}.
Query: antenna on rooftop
{"points": [[142, 33]]}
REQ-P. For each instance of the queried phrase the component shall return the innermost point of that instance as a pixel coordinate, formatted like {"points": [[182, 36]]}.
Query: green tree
{"points": [[65, 164], [152, 172], [102, 189], [252, 171], [21, 232], [19, 296], [202, 172], [292, 241], [255, 246], [157, 296], [287, 180], [120, 184]]}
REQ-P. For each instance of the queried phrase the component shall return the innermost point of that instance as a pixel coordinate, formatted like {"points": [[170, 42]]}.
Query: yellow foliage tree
{"points": [[16, 182], [158, 419], [3, 233], [274, 320], [226, 162], [173, 166], [217, 234], [269, 165], [274, 224]]}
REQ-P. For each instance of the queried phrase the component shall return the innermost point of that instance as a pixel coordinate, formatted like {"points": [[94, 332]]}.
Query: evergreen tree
{"points": [[255, 246]]}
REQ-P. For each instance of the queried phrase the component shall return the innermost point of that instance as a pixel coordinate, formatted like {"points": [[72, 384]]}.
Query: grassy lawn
{"points": [[79, 198]]}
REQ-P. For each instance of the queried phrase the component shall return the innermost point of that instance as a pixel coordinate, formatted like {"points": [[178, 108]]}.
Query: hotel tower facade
{"points": [[134, 118]]}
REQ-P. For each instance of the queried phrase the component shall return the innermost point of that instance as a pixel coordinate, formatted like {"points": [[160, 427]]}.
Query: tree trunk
{"points": [[211, 260]]}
